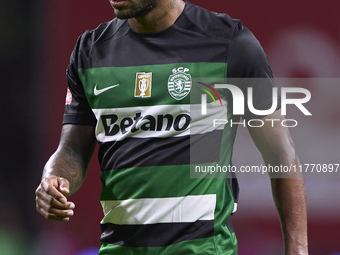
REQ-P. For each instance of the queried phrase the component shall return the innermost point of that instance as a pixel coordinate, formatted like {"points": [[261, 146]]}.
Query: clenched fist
{"points": [[51, 201]]}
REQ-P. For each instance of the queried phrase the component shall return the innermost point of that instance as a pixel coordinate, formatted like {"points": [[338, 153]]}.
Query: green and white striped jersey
{"points": [[143, 94]]}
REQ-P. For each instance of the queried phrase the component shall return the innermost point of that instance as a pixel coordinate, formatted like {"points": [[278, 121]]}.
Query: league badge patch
{"points": [[179, 83], [143, 84]]}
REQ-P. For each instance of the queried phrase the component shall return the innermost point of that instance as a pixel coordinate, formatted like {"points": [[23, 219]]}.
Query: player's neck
{"points": [[162, 17]]}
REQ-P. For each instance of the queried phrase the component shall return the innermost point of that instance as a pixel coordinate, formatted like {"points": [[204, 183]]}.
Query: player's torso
{"points": [[145, 92]]}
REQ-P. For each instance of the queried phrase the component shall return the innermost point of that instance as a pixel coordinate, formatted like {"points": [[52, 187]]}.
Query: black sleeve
{"points": [[248, 67], [77, 108]]}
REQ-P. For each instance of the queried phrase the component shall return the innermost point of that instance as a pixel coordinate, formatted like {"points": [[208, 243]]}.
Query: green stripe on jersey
{"points": [[123, 94], [162, 181]]}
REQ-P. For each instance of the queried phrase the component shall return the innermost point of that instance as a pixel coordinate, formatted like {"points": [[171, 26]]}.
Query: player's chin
{"points": [[123, 14]]}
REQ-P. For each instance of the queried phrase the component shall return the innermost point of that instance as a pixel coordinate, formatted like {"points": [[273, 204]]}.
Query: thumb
{"points": [[64, 185]]}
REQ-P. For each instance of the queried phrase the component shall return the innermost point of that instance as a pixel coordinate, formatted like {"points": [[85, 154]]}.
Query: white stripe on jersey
{"points": [[159, 210]]}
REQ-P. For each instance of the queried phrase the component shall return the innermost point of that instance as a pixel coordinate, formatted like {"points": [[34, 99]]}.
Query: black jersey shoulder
{"points": [[105, 31], [209, 23]]}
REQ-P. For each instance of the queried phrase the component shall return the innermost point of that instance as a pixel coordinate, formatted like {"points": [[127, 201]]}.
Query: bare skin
{"points": [[64, 172], [160, 18], [277, 148]]}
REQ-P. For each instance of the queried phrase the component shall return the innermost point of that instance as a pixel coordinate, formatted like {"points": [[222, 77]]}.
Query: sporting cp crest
{"points": [[179, 83]]}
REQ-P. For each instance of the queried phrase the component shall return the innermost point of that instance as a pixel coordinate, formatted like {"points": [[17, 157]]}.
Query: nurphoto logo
{"points": [[239, 105]]}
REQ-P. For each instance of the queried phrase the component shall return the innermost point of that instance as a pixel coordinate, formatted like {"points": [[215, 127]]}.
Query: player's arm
{"points": [[65, 171], [277, 148]]}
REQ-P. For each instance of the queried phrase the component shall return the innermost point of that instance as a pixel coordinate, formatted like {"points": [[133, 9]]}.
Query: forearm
{"points": [[277, 148], [290, 201], [73, 156], [64, 172], [67, 165]]}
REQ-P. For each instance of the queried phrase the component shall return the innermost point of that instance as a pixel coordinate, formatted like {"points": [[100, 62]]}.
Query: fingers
{"points": [[52, 213], [51, 186], [50, 199], [63, 186]]}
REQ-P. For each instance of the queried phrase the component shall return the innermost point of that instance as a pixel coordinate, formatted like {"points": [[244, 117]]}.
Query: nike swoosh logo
{"points": [[99, 91]]}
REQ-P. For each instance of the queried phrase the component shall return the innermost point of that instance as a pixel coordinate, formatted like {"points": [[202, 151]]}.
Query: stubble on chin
{"points": [[138, 9]]}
